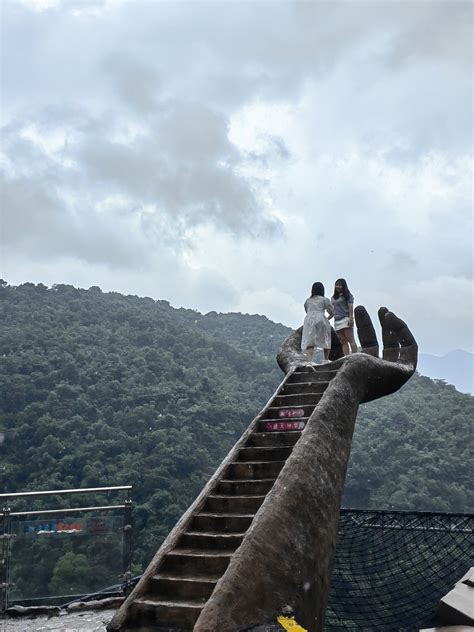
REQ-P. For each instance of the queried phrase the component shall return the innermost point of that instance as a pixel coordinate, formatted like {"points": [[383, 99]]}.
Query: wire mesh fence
{"points": [[391, 568]]}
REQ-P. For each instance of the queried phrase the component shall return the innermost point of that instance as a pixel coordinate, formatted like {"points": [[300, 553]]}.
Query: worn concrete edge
{"points": [[170, 542], [76, 606], [15, 612]]}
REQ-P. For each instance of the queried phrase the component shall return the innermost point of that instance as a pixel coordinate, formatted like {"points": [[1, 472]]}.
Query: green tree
{"points": [[72, 575]]}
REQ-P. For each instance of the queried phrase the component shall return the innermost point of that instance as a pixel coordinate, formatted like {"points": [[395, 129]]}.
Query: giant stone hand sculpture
{"points": [[286, 556], [374, 377]]}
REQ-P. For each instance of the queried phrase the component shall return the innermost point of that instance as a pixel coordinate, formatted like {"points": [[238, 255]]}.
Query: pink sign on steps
{"points": [[291, 412], [272, 426]]}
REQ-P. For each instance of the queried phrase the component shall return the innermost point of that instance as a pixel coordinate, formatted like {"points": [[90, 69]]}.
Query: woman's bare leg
{"points": [[309, 353], [326, 353], [350, 339], [341, 334]]}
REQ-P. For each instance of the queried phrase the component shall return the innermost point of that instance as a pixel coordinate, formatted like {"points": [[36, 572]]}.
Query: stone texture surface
{"points": [[85, 621]]}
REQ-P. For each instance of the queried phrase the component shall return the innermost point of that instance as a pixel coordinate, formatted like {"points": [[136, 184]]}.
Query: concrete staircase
{"points": [[182, 576]]}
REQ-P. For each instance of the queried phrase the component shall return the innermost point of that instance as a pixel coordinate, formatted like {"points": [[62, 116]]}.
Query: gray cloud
{"points": [[137, 84], [27, 210], [144, 93], [230, 52], [184, 164], [182, 168], [42, 225], [402, 260], [433, 31]]}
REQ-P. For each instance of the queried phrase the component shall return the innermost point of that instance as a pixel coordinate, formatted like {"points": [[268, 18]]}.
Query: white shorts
{"points": [[341, 324]]}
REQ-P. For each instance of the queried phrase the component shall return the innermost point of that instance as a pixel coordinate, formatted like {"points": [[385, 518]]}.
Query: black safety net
{"points": [[392, 568]]}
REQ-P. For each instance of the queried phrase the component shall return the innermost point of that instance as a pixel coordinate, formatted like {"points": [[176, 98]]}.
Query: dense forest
{"points": [[103, 389]]}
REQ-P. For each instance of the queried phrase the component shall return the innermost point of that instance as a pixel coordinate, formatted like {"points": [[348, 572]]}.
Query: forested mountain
{"points": [[105, 389]]}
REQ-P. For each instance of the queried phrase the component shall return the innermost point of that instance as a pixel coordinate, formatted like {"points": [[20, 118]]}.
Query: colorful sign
{"points": [[45, 527], [291, 412], [275, 426], [92, 525]]}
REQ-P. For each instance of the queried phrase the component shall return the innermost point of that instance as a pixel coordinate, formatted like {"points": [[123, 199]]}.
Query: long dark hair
{"points": [[317, 289], [345, 290]]}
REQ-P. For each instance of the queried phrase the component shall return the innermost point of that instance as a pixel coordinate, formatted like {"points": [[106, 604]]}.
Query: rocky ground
{"points": [[85, 621]]}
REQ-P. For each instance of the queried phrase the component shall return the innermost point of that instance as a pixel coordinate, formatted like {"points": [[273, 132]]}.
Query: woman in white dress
{"points": [[316, 327]]}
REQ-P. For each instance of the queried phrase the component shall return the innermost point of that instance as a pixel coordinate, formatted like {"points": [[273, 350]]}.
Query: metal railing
{"points": [[6, 534]]}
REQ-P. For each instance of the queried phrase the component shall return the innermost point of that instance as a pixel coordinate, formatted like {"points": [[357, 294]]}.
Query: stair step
{"points": [[254, 470], [196, 561], [304, 419], [308, 375], [244, 487], [297, 400], [233, 504], [298, 388], [213, 578], [211, 540], [267, 439], [183, 588], [174, 613], [221, 523], [265, 453]]}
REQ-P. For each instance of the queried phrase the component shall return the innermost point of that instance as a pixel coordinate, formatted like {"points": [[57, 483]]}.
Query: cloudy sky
{"points": [[225, 155]]}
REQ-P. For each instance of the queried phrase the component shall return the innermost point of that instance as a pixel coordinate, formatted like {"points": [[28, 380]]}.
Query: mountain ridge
{"points": [[455, 367]]}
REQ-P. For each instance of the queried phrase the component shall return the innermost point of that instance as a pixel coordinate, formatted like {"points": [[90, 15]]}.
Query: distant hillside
{"points": [[105, 389], [456, 367], [412, 450]]}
